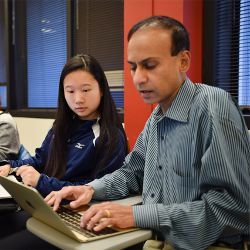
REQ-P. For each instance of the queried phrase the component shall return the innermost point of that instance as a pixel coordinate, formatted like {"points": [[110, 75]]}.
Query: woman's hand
{"points": [[5, 169], [29, 175]]}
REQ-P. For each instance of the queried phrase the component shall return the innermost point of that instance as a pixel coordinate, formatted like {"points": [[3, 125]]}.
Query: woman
{"points": [[87, 139]]}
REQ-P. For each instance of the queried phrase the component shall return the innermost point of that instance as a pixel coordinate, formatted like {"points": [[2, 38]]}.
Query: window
{"points": [[39, 52], [45, 33], [46, 50], [244, 55], [98, 30], [3, 97], [3, 57], [226, 52]]}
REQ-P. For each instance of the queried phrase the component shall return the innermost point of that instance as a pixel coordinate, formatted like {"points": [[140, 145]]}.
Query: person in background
{"points": [[9, 137], [87, 139], [191, 162]]}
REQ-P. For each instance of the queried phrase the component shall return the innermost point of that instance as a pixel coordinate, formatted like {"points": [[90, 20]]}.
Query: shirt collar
{"points": [[180, 107]]}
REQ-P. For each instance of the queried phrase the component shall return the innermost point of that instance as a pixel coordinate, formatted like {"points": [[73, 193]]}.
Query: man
{"points": [[192, 160]]}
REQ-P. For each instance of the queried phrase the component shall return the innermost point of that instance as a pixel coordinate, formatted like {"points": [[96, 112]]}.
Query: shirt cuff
{"points": [[146, 216], [99, 188]]}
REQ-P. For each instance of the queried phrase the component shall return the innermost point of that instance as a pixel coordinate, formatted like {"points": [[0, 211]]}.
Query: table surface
{"points": [[62, 241]]}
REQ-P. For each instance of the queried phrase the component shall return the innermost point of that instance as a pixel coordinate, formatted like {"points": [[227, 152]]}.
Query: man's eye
{"points": [[133, 68], [86, 90], [70, 91], [150, 66]]}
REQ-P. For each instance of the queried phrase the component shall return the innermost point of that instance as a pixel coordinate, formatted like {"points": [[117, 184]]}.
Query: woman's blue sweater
{"points": [[81, 148]]}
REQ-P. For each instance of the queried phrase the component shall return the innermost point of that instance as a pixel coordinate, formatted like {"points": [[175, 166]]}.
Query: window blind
{"points": [[98, 30], [232, 62], [244, 55], [3, 77], [46, 50], [115, 80], [3, 97], [3, 57]]}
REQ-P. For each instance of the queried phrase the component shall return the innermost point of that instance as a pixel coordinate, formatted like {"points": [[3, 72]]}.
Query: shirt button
{"points": [[152, 195], [162, 137], [160, 167]]}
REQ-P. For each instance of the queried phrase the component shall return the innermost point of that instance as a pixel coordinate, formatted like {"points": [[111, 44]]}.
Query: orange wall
{"points": [[188, 12]]}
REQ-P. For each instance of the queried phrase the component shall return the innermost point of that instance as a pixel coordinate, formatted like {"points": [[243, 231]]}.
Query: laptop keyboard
{"points": [[72, 219]]}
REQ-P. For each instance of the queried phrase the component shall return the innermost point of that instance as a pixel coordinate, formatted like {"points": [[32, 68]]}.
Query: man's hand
{"points": [[5, 169], [29, 175], [80, 195], [102, 215]]}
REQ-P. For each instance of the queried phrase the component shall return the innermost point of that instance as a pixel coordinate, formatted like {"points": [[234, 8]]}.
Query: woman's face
{"points": [[83, 94]]}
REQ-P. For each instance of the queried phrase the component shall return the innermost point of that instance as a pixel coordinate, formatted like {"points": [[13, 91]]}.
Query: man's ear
{"points": [[185, 58]]}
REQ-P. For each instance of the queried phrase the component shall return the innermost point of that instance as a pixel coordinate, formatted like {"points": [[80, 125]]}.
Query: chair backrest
{"points": [[23, 153]]}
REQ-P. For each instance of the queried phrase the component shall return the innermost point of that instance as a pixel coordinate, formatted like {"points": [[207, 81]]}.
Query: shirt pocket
{"points": [[185, 182]]}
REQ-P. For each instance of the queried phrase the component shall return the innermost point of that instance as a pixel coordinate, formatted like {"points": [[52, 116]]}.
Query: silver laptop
{"points": [[64, 220]]}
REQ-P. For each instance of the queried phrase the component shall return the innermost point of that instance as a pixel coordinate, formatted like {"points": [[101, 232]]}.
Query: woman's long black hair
{"points": [[110, 124]]}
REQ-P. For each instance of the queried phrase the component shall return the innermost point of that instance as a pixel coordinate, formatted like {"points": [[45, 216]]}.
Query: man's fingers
{"points": [[56, 205], [96, 218], [75, 204], [81, 200], [57, 200], [49, 196], [103, 224], [75, 193], [50, 201], [53, 199], [93, 218]]}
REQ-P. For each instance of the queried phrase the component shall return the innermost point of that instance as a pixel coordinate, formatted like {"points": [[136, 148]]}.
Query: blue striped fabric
{"points": [[192, 166]]}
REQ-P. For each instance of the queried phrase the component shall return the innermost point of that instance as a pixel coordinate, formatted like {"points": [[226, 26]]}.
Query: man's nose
{"points": [[139, 76]]}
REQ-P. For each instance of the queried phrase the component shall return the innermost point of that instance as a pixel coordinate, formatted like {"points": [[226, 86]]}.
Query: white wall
{"points": [[32, 131]]}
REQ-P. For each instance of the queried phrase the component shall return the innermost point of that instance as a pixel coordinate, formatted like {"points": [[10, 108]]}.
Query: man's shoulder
{"points": [[213, 96], [217, 102], [208, 91]]}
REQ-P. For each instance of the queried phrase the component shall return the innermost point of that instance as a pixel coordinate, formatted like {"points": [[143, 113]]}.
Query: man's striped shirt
{"points": [[192, 166]]}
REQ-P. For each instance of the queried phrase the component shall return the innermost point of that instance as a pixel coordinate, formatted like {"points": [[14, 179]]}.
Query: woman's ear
{"points": [[185, 58]]}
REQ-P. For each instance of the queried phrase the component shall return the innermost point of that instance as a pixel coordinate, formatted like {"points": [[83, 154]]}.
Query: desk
{"points": [[62, 241]]}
